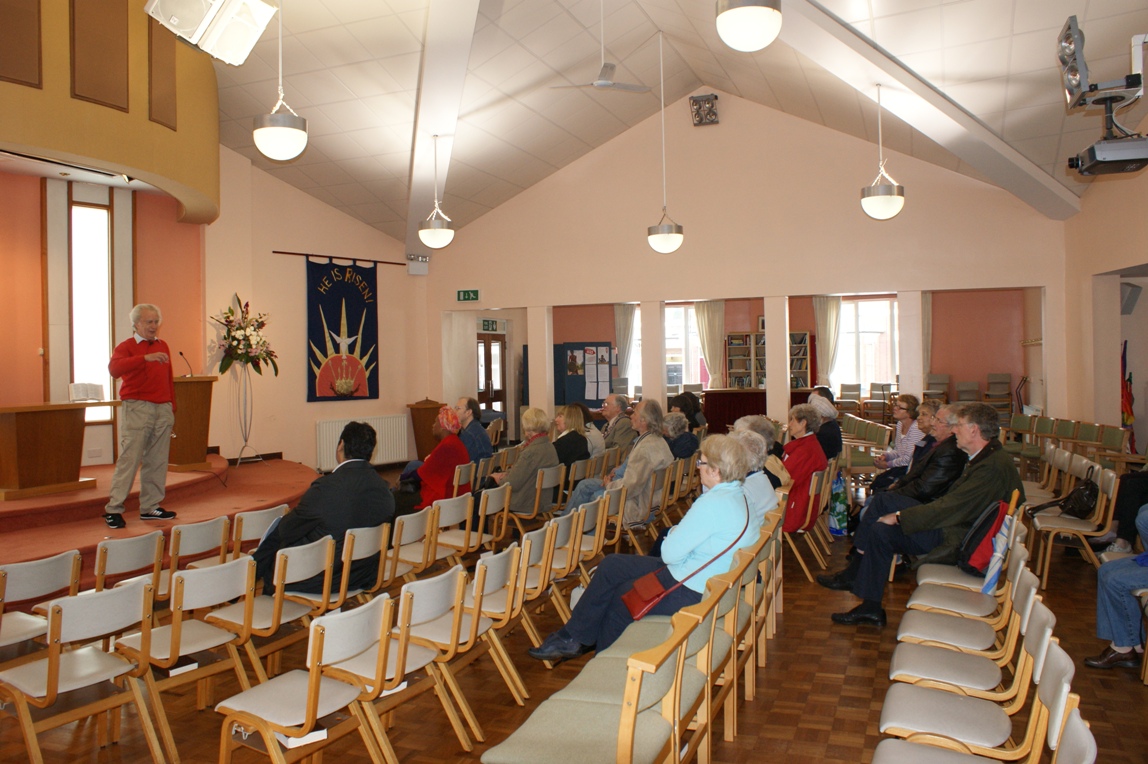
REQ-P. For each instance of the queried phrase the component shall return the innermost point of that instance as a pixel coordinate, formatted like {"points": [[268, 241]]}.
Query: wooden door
{"points": [[492, 371]]}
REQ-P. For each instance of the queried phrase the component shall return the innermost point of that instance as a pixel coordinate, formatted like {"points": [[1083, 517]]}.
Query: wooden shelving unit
{"points": [[745, 359], [799, 356]]}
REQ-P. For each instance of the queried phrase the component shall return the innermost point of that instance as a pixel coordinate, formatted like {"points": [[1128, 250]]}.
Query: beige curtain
{"points": [[927, 334], [624, 335], [827, 316], [711, 333]]}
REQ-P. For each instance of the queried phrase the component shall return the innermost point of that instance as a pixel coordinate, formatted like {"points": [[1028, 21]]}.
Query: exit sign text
{"points": [[467, 295]]}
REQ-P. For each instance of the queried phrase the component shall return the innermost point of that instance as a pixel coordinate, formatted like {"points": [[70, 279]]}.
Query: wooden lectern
{"points": [[41, 448], [423, 415], [192, 419]]}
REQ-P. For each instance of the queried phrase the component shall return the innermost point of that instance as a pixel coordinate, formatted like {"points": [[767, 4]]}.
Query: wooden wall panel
{"points": [[20, 42], [161, 75], [100, 52]]}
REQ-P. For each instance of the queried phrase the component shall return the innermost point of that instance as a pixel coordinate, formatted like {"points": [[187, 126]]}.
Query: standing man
{"points": [[143, 362], [472, 434], [619, 431]]}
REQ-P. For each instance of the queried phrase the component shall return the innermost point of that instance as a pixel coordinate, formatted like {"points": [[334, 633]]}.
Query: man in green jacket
{"points": [[932, 532]]}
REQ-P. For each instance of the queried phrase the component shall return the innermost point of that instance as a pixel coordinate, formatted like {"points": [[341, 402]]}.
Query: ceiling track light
{"points": [[748, 25], [882, 199], [279, 135], [666, 236], [435, 231]]}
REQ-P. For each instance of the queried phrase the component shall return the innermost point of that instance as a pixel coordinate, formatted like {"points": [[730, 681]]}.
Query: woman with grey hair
{"points": [[803, 457], [757, 486], [829, 433], [762, 425], [681, 441]]}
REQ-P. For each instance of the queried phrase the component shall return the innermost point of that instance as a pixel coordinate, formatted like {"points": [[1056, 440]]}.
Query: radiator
{"points": [[391, 431]]}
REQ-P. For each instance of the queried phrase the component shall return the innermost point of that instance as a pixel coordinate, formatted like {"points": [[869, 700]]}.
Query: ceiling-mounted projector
{"points": [[1112, 156], [224, 29]]}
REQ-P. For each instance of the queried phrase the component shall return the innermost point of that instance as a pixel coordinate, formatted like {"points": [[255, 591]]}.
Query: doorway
{"points": [[492, 372]]}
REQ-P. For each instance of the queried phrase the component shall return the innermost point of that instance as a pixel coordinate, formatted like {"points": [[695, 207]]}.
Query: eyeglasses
{"points": [[902, 408], [703, 463]]}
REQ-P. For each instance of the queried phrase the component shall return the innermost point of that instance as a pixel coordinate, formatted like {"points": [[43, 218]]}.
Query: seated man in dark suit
{"points": [[931, 531], [353, 495]]}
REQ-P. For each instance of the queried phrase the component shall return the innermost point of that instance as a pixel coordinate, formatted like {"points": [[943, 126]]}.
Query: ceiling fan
{"points": [[605, 79]]}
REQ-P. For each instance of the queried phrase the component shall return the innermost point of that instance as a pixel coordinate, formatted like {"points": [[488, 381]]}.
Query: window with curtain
{"points": [[867, 342], [684, 362]]}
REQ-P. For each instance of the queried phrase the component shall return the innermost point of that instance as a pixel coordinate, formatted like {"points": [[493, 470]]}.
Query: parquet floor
{"points": [[818, 700]]}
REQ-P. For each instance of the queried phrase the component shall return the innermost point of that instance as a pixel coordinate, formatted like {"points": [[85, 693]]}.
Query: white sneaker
{"points": [[1119, 545]]}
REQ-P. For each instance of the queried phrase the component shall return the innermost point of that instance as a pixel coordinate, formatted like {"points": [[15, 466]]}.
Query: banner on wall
{"points": [[342, 331]]}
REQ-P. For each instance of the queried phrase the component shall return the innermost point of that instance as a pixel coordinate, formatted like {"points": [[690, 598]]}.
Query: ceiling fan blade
{"points": [[627, 87], [573, 87], [607, 73]]}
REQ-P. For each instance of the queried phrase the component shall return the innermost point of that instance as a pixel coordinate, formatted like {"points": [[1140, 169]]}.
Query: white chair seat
{"points": [[78, 668], [439, 629], [17, 627], [597, 740], [922, 709], [1043, 522], [282, 700], [892, 751], [954, 630], [912, 661], [949, 575], [195, 637], [952, 599], [261, 612], [451, 537]]}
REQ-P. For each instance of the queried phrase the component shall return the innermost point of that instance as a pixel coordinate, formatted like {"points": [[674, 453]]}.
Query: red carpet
{"points": [[34, 528]]}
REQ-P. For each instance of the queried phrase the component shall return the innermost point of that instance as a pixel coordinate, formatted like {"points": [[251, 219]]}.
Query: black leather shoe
{"points": [[859, 616], [556, 648], [835, 582], [1112, 659]]}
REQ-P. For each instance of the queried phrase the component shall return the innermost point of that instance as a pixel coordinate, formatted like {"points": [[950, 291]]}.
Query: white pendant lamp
{"points": [[666, 236], [435, 231], [748, 25], [883, 199], [279, 135]]}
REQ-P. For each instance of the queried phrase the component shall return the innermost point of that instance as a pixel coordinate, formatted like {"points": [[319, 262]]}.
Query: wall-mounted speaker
{"points": [[1129, 294], [225, 29]]}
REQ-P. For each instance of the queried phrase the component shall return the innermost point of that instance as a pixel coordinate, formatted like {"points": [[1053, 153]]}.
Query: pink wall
{"points": [[169, 273], [977, 333], [21, 292], [584, 323], [742, 315], [801, 318]]}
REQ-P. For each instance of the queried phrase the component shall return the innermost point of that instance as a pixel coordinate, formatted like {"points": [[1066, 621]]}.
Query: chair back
{"points": [[613, 507], [537, 554], [250, 526], [359, 544], [547, 480], [204, 588], [349, 634], [483, 469], [567, 543], [494, 515], [609, 461], [499, 585], [463, 476], [300, 563], [197, 539], [454, 534], [494, 431], [1054, 683], [411, 548], [36, 579], [1114, 438], [1064, 428], [121, 556], [850, 392], [438, 600], [1076, 744], [968, 391]]}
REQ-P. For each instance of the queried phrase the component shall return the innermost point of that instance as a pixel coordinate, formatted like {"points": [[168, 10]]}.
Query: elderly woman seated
{"points": [[702, 545], [569, 435], [681, 441], [774, 467], [433, 479], [537, 452], [803, 457]]}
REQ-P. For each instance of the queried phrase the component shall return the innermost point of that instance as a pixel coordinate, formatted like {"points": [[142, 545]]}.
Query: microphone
{"points": [[189, 371]]}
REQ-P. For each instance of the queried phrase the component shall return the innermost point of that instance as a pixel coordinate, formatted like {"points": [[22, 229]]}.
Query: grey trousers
{"points": [[145, 439]]}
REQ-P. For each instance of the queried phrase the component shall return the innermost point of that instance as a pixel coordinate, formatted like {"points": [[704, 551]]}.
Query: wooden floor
{"points": [[819, 699]]}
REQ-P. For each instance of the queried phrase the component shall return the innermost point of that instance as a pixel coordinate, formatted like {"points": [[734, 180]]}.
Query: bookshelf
{"points": [[745, 359], [799, 356]]}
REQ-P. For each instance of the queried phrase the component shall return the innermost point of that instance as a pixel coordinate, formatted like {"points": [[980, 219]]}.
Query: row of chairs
{"points": [[1027, 439], [862, 441], [656, 694], [970, 657]]}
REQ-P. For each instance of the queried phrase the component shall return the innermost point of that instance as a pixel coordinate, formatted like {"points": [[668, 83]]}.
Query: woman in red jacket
{"points": [[803, 457], [434, 480]]}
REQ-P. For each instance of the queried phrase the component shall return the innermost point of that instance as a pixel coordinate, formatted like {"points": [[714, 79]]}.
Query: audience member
{"points": [[689, 406], [594, 438], [351, 496], [681, 441], [701, 545], [1131, 495], [473, 435], [933, 531], [1118, 616], [829, 433], [774, 467], [619, 432], [759, 491], [536, 453], [433, 479], [896, 460], [570, 441], [803, 457]]}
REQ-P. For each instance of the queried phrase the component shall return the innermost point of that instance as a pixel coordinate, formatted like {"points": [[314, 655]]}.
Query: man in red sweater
{"points": [[143, 362]]}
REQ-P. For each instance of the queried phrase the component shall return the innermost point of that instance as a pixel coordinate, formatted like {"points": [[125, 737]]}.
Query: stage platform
{"points": [[45, 525]]}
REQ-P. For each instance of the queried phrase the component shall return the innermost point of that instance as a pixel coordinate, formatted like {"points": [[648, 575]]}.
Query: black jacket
{"points": [[931, 476]]}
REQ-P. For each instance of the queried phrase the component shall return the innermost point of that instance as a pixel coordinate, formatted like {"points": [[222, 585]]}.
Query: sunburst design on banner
{"points": [[339, 372]]}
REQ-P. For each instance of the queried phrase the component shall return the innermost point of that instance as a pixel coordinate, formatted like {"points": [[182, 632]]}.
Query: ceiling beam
{"points": [[858, 61], [442, 76]]}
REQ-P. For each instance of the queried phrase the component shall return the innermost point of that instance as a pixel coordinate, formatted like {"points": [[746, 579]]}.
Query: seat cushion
{"points": [[922, 709], [912, 661], [962, 601], [948, 575], [922, 626], [893, 751], [282, 700]]}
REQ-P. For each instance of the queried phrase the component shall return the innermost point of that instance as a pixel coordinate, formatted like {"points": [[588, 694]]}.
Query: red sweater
{"points": [[803, 457], [143, 380], [437, 472]]}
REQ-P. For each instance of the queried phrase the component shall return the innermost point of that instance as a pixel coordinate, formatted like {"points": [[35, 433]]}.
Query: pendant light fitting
{"points": [[279, 135], [883, 199], [435, 231], [665, 237]]}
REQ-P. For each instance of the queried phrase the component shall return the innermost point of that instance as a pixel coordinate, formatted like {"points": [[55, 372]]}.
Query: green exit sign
{"points": [[489, 325], [467, 295]]}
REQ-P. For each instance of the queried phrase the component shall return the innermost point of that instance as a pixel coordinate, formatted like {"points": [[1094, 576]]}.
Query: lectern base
{"points": [[10, 494]]}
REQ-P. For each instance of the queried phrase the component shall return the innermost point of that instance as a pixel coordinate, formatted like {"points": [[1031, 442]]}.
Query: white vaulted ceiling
{"points": [[974, 85]]}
